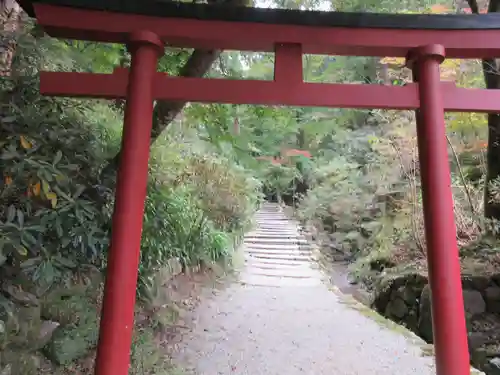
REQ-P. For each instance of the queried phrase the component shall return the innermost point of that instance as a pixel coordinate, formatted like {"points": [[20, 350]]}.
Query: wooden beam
{"points": [[205, 90]]}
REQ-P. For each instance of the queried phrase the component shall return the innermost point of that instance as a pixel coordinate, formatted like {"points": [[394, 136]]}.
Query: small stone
{"points": [[495, 362], [47, 328], [494, 366]]}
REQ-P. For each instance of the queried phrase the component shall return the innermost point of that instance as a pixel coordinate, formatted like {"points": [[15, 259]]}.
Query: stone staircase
{"points": [[276, 253]]}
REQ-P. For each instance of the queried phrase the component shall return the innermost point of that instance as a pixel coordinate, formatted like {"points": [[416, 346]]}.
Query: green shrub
{"points": [[175, 227], [50, 155]]}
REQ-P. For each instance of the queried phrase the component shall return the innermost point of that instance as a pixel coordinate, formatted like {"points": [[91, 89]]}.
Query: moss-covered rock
{"points": [[71, 342], [78, 330], [68, 309]]}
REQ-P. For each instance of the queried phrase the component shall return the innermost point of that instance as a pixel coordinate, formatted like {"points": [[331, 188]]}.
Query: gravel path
{"points": [[281, 318]]}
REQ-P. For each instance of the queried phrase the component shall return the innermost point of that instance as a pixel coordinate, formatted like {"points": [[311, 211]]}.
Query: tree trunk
{"points": [[491, 74], [10, 13]]}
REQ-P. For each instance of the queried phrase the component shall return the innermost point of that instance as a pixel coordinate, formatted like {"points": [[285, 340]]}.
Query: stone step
{"points": [[284, 230], [272, 216], [262, 233], [287, 265], [276, 248], [275, 241], [271, 235], [263, 253], [251, 261], [265, 281], [282, 257], [301, 273]]}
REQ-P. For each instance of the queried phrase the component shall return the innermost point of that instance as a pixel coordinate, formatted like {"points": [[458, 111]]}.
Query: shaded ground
{"points": [[282, 318]]}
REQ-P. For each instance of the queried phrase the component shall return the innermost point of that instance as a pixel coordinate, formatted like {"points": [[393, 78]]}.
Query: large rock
{"points": [[475, 282], [492, 297], [477, 339], [396, 308], [473, 303], [71, 342], [68, 310], [425, 315], [405, 286], [78, 329]]}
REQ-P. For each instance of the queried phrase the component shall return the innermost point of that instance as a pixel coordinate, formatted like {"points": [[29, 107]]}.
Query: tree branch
{"points": [[165, 112]]}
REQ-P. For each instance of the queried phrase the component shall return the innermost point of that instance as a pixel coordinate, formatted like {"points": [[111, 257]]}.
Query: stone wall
{"points": [[40, 332], [405, 299]]}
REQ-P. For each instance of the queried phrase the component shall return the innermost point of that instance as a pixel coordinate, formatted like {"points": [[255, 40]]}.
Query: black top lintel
{"points": [[166, 8]]}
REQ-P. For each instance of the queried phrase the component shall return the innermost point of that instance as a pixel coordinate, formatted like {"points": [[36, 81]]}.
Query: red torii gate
{"points": [[147, 26]]}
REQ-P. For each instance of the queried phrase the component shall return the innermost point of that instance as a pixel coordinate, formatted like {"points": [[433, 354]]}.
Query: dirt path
{"points": [[282, 318]]}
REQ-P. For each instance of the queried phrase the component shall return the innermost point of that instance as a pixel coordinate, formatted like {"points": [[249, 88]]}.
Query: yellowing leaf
{"points": [[25, 143], [22, 251], [439, 9], [45, 187], [399, 61], [36, 189], [8, 180], [53, 199]]}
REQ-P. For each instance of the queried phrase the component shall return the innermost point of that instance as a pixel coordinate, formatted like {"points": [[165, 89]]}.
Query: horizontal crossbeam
{"points": [[289, 93], [74, 23]]}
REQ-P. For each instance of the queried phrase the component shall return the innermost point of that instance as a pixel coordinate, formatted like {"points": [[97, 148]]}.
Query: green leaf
{"points": [[20, 218], [28, 239], [22, 251], [57, 158], [65, 262], [45, 187], [31, 262], [79, 190], [11, 213]]}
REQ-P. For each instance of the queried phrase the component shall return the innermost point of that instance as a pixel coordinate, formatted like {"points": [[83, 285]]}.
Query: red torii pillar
{"points": [[448, 317], [117, 319]]}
